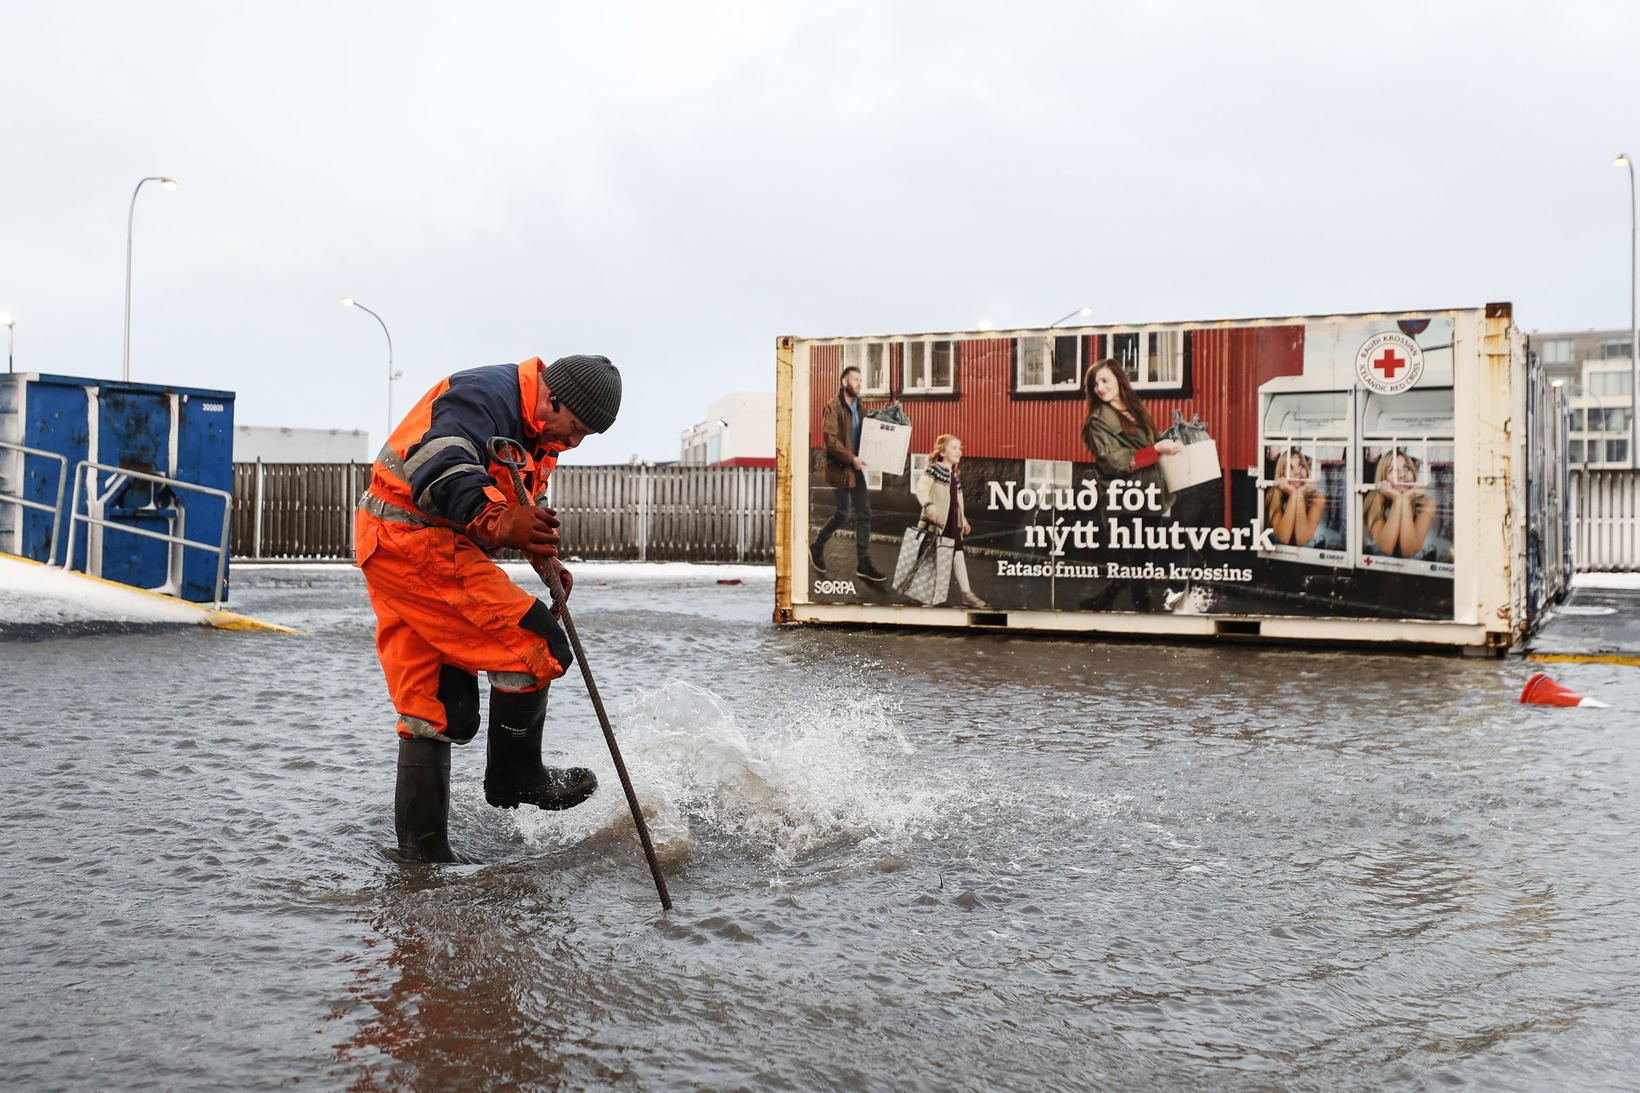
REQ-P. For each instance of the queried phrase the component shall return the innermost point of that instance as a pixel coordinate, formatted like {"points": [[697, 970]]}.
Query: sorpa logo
{"points": [[834, 588]]}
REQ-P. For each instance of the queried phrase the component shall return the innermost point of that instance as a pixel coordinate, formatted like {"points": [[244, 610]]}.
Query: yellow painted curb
{"points": [[221, 620], [227, 620], [1586, 658]]}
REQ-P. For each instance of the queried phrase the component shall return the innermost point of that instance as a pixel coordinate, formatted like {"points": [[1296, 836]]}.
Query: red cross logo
{"points": [[1389, 364]]}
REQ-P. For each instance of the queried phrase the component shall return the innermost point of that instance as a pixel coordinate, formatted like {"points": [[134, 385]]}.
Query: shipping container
{"points": [[130, 482], [1357, 478]]}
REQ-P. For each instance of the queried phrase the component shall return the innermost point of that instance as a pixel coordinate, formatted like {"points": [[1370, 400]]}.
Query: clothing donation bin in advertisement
{"points": [[1373, 478], [130, 482], [1304, 490]]}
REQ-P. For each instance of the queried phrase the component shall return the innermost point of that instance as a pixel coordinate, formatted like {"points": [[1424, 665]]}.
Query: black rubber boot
{"points": [[513, 774], [421, 801]]}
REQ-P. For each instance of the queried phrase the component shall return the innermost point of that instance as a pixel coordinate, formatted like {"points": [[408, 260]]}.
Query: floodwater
{"points": [[899, 861]]}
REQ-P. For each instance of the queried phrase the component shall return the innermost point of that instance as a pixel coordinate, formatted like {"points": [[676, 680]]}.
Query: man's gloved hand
{"points": [[564, 575], [532, 529]]}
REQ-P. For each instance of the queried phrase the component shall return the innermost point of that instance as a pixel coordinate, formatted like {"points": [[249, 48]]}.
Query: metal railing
{"points": [[1605, 516], [122, 476], [56, 509]]}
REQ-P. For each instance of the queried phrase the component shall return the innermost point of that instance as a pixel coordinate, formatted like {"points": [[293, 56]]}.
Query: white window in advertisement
{"points": [[1047, 474], [919, 464], [930, 367], [1047, 363], [1032, 363], [1151, 358], [871, 358]]}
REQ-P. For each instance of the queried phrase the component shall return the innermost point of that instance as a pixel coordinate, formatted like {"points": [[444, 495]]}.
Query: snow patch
{"points": [[1606, 580], [37, 595]]}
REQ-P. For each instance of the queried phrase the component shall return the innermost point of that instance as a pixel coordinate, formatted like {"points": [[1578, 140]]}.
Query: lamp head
{"points": [[1084, 311], [348, 301], [168, 183], [1622, 160], [7, 321]]}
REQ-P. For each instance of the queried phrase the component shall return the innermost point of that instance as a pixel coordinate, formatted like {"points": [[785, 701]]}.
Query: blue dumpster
{"points": [[56, 430]]}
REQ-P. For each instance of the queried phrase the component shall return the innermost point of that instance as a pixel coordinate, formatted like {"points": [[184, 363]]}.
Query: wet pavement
{"points": [[899, 860], [1595, 623]]}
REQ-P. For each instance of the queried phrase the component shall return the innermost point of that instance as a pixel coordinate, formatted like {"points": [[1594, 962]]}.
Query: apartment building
{"points": [[1597, 371]]}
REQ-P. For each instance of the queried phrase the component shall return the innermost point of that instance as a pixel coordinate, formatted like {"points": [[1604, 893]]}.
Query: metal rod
{"points": [[502, 448], [73, 510]]}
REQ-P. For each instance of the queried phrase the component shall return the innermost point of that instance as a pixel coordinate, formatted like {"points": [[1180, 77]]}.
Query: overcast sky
{"points": [[674, 185]]}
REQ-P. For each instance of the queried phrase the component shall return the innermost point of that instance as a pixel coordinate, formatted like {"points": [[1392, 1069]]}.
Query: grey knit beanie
{"points": [[589, 386]]}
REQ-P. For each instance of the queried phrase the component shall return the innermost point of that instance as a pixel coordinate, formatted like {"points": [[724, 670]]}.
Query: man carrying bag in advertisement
{"points": [[845, 473]]}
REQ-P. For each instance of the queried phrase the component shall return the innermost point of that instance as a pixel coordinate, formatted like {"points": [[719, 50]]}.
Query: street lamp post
{"points": [[348, 301], [1072, 315], [11, 332], [1623, 160], [130, 223]]}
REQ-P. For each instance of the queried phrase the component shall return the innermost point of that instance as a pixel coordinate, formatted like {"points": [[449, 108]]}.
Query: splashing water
{"points": [[832, 774]]}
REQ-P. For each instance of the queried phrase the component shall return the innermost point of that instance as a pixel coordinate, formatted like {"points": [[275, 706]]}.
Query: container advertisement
{"points": [[1299, 468]]}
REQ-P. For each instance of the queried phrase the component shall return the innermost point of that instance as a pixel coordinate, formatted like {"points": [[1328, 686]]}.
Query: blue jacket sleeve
{"points": [[449, 468]]}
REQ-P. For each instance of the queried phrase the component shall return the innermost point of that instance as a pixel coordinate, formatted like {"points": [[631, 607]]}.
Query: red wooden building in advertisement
{"points": [[1018, 394]]}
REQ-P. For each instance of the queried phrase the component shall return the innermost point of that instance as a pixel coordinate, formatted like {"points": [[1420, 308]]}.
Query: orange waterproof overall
{"points": [[444, 610]]}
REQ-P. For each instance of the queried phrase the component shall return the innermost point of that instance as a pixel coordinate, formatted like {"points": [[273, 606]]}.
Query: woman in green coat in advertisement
{"points": [[1122, 438]]}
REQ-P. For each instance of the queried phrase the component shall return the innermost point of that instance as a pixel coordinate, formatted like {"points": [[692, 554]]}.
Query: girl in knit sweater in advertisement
{"points": [[939, 489]]}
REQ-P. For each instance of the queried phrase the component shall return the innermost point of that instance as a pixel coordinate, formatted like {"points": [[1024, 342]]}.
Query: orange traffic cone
{"points": [[1540, 690]]}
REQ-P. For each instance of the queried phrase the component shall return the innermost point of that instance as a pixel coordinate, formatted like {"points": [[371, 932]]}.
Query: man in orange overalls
{"points": [[436, 507]]}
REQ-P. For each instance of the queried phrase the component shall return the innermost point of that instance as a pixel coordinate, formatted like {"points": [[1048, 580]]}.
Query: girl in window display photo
{"points": [[939, 489], [1294, 503], [1398, 510]]}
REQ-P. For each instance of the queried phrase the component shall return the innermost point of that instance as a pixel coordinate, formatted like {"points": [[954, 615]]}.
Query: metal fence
{"points": [[1605, 518], [289, 511], [292, 511]]}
